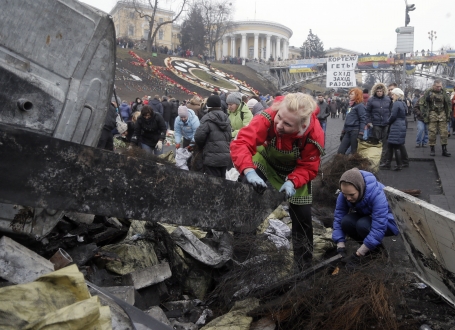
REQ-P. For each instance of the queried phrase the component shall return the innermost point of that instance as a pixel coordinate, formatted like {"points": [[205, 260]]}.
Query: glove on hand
{"points": [[159, 145], [288, 188], [342, 252], [253, 178], [177, 146], [134, 139], [352, 262]]}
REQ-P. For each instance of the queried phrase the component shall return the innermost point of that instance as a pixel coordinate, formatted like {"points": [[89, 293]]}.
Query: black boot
{"points": [[445, 153], [432, 152]]}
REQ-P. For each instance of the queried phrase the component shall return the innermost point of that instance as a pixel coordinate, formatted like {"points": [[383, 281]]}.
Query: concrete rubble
{"points": [[183, 277]]}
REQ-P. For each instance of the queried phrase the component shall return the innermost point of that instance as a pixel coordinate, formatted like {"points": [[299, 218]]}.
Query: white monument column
{"points": [[274, 50], [261, 53], [233, 52], [243, 50], [278, 48], [225, 47], [267, 49], [218, 51], [256, 46]]}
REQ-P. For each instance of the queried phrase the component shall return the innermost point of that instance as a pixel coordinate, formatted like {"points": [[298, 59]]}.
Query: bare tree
{"points": [[147, 9], [217, 15]]}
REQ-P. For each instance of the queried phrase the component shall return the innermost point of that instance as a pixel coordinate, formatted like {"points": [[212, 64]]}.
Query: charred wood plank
{"points": [[40, 171]]}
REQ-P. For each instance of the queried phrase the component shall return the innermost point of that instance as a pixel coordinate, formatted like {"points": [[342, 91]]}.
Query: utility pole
{"points": [[432, 35]]}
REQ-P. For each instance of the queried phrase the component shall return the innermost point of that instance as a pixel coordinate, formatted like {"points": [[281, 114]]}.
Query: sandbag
{"points": [[372, 152], [56, 301], [181, 157]]}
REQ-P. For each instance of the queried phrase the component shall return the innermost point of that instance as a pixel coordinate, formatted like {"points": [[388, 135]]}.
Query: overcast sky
{"points": [[365, 26]]}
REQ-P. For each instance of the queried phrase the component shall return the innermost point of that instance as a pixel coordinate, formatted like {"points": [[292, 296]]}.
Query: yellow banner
{"points": [[421, 59], [301, 70], [372, 59]]}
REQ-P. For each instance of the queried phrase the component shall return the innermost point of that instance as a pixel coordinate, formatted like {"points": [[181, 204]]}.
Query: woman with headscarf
{"points": [[354, 123], [397, 133], [283, 145], [363, 213], [239, 114]]}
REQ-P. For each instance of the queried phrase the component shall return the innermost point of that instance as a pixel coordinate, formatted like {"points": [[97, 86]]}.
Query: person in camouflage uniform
{"points": [[435, 108]]}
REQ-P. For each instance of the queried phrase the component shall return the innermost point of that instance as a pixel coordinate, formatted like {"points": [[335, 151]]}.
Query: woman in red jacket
{"points": [[283, 145]]}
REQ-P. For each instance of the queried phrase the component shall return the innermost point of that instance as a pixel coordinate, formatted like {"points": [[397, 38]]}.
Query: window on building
{"points": [[131, 30], [132, 14], [146, 34], [161, 35], [161, 20]]}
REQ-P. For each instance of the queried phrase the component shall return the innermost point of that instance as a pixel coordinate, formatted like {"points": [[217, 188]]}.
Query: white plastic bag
{"points": [[232, 174], [181, 157]]}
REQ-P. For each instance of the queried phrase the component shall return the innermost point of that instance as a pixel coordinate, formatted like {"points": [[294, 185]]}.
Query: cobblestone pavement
{"points": [[332, 139]]}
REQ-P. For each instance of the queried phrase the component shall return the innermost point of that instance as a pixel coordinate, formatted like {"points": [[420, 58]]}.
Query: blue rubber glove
{"points": [[288, 188], [253, 178]]}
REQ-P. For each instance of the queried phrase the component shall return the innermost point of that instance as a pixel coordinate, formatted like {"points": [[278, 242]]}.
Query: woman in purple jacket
{"points": [[363, 213]]}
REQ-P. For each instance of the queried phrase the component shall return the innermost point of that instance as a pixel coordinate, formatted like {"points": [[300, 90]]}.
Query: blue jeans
{"points": [[422, 133], [151, 150], [323, 125], [358, 227]]}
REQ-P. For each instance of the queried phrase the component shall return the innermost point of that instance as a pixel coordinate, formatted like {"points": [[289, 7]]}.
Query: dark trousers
{"points": [[302, 233], [358, 227], [185, 142], [349, 140], [391, 149], [215, 171], [302, 229], [404, 155], [380, 133], [106, 140]]}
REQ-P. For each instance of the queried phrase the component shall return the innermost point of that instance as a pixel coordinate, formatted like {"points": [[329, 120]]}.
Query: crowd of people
{"points": [[277, 143]]}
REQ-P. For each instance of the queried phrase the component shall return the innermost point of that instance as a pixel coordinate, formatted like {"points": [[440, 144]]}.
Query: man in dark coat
{"points": [[213, 136], [224, 105], [174, 112], [167, 109], [324, 111], [156, 105]]}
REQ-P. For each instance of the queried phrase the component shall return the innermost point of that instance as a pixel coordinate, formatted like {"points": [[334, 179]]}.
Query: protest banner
{"points": [[341, 71]]}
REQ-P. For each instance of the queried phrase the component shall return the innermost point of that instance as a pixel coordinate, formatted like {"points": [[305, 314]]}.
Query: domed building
{"points": [[255, 39]]}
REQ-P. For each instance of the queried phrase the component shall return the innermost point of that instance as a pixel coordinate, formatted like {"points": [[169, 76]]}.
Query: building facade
{"points": [[255, 40], [129, 24], [251, 39]]}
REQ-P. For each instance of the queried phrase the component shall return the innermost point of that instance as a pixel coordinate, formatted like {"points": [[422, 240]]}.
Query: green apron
{"points": [[277, 164]]}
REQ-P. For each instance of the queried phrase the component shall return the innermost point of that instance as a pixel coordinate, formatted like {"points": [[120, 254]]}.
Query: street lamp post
{"points": [[432, 36]]}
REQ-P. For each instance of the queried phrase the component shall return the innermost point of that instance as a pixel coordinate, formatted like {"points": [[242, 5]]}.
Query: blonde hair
{"points": [[135, 115], [302, 104], [195, 101]]}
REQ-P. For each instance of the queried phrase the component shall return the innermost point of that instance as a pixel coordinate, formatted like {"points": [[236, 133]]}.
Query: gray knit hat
{"points": [[234, 98], [354, 177]]}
